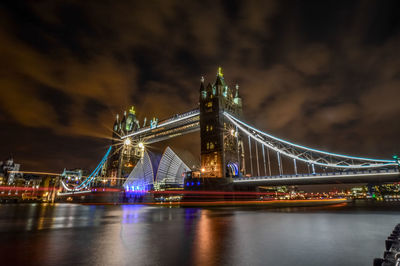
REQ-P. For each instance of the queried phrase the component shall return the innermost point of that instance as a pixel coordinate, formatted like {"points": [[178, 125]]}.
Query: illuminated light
{"points": [[132, 110], [220, 72], [300, 146], [236, 122], [203, 170], [95, 172], [141, 145], [198, 183], [192, 184], [167, 122], [127, 142], [232, 132], [187, 184]]}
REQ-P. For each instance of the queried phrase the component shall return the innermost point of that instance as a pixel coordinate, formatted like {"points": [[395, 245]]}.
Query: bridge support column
{"points": [[265, 166], [251, 158], [269, 163], [258, 164], [278, 155]]}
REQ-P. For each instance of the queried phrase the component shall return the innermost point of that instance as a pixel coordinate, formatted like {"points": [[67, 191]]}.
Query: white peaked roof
{"points": [[142, 174], [170, 171], [171, 168]]}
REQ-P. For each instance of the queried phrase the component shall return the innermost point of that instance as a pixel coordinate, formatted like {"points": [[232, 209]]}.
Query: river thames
{"points": [[68, 234]]}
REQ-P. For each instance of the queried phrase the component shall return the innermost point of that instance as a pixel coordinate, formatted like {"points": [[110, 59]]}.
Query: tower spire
{"points": [[219, 73], [201, 84]]}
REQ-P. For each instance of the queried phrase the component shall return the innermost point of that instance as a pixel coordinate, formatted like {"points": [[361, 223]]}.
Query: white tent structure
{"points": [[149, 173], [171, 170]]}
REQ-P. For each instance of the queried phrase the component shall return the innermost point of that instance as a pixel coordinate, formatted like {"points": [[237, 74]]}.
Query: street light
{"points": [[141, 145], [127, 142]]}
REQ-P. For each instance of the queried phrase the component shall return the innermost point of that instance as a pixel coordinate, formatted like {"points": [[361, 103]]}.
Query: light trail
{"points": [[34, 173], [6, 188]]}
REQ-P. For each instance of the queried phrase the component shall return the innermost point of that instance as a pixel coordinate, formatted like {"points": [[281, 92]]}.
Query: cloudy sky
{"points": [[320, 73]]}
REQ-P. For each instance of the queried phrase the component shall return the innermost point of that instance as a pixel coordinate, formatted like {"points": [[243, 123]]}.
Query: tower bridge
{"points": [[234, 153], [178, 125]]}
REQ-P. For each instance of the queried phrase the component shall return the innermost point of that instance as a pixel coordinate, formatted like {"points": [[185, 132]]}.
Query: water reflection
{"points": [[65, 234]]}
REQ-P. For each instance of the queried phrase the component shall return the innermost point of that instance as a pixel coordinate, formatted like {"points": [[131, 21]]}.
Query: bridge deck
{"points": [[371, 176], [177, 125]]}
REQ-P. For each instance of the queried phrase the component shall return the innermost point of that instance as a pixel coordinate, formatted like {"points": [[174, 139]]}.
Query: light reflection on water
{"points": [[66, 234]]}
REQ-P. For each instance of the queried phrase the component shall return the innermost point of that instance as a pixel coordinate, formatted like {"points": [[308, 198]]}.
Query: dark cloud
{"points": [[320, 73]]}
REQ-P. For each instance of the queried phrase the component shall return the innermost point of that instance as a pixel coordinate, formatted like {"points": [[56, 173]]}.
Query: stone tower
{"points": [[221, 143]]}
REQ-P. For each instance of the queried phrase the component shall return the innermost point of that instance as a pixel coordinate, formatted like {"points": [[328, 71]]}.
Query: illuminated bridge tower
{"points": [[222, 155], [124, 154]]}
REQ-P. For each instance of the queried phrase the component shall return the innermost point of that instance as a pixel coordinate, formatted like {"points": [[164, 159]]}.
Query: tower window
{"points": [[209, 104]]}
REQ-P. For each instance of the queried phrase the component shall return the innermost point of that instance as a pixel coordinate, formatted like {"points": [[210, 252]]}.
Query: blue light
{"points": [[236, 122], [300, 146], [192, 184], [198, 183], [95, 171], [234, 167], [187, 184]]}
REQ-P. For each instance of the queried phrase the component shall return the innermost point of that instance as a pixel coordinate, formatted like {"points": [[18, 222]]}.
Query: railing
{"points": [[304, 154], [176, 118], [344, 173]]}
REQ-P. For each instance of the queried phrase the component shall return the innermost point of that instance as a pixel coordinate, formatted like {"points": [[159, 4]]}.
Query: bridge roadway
{"points": [[365, 176], [177, 125]]}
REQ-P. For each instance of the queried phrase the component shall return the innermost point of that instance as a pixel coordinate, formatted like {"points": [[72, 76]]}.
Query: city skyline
{"points": [[320, 74]]}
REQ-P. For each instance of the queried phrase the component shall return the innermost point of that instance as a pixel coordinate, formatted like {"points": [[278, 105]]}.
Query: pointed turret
{"points": [[237, 100], [201, 84], [220, 85], [210, 89], [116, 123], [123, 122]]}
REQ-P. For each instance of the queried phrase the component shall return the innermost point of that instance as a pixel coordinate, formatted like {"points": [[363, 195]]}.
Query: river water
{"points": [[68, 234]]}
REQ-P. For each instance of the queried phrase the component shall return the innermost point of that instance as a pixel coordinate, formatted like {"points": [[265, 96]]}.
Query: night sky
{"points": [[320, 73]]}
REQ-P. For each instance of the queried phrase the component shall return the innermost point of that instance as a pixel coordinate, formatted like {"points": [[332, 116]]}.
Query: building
{"points": [[222, 152], [8, 171]]}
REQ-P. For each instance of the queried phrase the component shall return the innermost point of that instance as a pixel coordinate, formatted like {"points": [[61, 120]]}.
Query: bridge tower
{"points": [[222, 155], [125, 154]]}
